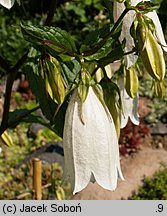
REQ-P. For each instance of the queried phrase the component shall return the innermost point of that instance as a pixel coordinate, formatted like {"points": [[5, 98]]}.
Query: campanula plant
{"points": [[85, 111]]}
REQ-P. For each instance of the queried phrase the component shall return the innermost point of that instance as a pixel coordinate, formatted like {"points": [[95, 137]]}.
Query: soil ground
{"points": [[145, 163]]}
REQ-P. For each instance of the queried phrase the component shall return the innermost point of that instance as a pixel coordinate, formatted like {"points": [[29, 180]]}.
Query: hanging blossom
{"points": [[130, 109], [91, 148], [127, 22], [7, 3]]}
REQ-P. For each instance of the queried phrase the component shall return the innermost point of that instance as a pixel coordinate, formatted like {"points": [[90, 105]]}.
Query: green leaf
{"points": [[99, 43], [24, 115], [94, 37], [70, 70], [147, 6], [77, 10], [111, 91], [103, 51], [58, 121], [114, 55], [156, 1], [38, 88], [54, 40]]}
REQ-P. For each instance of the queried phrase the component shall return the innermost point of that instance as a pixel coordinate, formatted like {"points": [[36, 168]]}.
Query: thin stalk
{"points": [[101, 43], [10, 79], [20, 117], [51, 12], [130, 52], [109, 7]]}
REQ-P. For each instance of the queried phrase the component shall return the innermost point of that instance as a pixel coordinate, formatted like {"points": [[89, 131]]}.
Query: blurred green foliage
{"points": [[16, 181], [77, 17], [157, 106], [74, 16], [12, 44], [154, 188]]}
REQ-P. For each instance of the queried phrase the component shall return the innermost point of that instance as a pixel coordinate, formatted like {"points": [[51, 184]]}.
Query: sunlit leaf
{"points": [[54, 40]]}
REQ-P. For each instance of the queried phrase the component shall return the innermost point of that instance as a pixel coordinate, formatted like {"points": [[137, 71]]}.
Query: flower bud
{"points": [[131, 81], [127, 23], [53, 80], [150, 51], [6, 139], [159, 88]]}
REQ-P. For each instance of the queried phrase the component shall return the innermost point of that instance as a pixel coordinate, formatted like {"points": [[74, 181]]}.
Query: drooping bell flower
{"points": [[7, 3], [127, 22], [90, 146]]}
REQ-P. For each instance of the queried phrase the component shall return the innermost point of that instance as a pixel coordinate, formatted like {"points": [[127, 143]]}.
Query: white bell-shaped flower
{"points": [[7, 3], [127, 22], [91, 149]]}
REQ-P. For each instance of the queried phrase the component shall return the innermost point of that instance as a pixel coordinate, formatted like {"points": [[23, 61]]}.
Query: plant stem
{"points": [[109, 7], [102, 42], [134, 50], [21, 116], [4, 64], [51, 12], [13, 72], [10, 79]]}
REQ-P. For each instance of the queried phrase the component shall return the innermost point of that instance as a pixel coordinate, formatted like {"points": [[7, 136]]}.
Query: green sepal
{"points": [[113, 101], [147, 6], [159, 88]]}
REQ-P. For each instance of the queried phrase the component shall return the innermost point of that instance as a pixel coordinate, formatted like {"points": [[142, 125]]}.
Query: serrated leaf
{"points": [[54, 40]]}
